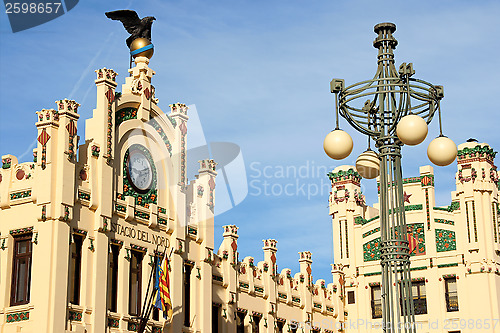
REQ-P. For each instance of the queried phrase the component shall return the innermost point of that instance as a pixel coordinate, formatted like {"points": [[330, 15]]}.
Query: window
{"points": [[255, 324], [240, 324], [451, 295], [187, 294], [215, 318], [21, 270], [280, 325], [419, 297], [75, 268], [376, 302], [135, 283], [113, 276], [350, 297]]}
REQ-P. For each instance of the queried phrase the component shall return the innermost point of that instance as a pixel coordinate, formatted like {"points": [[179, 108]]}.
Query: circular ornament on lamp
{"points": [[368, 164], [338, 144], [411, 130], [141, 47], [442, 151]]}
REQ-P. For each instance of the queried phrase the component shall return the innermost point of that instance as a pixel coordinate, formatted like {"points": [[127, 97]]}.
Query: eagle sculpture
{"points": [[135, 26]]}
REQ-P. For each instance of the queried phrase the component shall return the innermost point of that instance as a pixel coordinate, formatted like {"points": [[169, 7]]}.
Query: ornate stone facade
{"points": [[455, 249], [87, 223]]}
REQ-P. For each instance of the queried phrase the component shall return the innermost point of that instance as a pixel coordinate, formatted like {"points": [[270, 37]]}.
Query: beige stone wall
{"points": [[460, 240]]}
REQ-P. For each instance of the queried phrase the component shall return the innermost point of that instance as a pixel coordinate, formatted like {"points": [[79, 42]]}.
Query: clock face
{"points": [[139, 171]]}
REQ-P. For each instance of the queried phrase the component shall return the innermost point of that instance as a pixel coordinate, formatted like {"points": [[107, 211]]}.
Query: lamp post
{"points": [[392, 109]]}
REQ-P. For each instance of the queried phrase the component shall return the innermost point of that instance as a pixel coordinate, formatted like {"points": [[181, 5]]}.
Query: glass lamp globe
{"points": [[442, 151], [368, 164], [338, 144], [411, 130]]}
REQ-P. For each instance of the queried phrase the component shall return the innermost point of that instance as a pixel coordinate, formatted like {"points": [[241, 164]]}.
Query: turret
{"points": [[477, 193], [346, 203]]}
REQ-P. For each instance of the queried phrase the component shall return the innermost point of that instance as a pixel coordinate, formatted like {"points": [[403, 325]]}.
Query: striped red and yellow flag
{"points": [[163, 301]]}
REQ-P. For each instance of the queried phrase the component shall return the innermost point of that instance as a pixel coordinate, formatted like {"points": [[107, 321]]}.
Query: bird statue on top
{"points": [[139, 41]]}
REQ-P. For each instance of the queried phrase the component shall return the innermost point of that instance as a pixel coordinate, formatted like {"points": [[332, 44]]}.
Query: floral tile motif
{"points": [[18, 316], [371, 250], [445, 240]]}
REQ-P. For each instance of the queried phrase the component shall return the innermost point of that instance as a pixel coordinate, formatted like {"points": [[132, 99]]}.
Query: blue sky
{"points": [[258, 73]]}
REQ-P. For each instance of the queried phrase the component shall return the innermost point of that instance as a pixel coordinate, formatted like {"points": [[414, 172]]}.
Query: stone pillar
{"points": [[206, 206], [230, 244], [269, 279], [51, 298], [46, 172], [179, 114], [339, 296], [99, 281]]}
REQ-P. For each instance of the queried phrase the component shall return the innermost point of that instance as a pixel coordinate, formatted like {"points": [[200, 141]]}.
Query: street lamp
{"points": [[392, 109]]}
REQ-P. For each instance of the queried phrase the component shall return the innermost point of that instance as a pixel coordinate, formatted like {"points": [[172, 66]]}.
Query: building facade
{"points": [[455, 250], [81, 227]]}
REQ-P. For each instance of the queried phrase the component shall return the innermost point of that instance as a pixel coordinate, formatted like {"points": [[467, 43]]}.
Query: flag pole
{"points": [[148, 305], [141, 317]]}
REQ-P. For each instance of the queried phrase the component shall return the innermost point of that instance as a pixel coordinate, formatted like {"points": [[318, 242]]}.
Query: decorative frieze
{"points": [[83, 196], [420, 268], [113, 323], [142, 215], [366, 234], [74, 315], [120, 208], [416, 238], [6, 163], [138, 248], [20, 195], [96, 150], [427, 209], [21, 231], [349, 176], [443, 221], [371, 250], [79, 231], [479, 153], [162, 134], [360, 220], [132, 326], [124, 115], [427, 180], [192, 230], [17, 316], [445, 240]]}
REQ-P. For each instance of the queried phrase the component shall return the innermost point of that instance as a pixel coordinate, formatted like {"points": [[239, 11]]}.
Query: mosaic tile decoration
{"points": [[445, 240], [371, 250], [18, 316], [416, 230], [444, 221]]}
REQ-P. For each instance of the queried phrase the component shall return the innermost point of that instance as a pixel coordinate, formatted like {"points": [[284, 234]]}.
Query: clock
{"points": [[139, 170]]}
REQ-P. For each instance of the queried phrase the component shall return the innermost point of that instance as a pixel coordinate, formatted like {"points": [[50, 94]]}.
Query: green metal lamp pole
{"points": [[391, 95]]}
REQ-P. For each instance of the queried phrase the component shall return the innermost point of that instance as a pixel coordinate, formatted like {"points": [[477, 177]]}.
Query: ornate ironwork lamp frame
{"points": [[391, 95]]}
